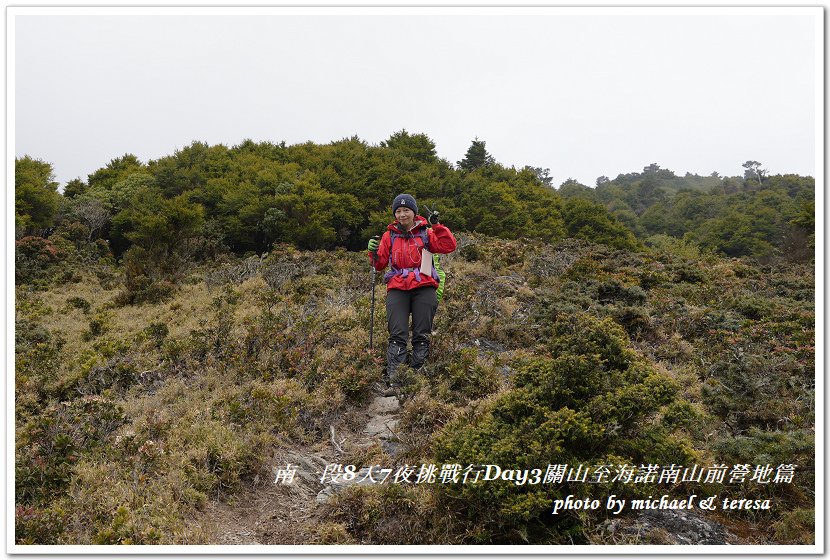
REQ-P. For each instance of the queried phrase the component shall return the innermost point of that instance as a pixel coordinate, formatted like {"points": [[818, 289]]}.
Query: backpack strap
{"points": [[404, 272]]}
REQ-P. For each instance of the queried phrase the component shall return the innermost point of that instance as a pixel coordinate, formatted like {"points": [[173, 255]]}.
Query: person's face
{"points": [[405, 216]]}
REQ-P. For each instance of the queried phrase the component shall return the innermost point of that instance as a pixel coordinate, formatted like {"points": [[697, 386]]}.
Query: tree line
{"points": [[751, 216], [206, 199]]}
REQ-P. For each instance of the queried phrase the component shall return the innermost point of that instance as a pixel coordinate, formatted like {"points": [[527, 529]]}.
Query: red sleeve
{"points": [[441, 239], [383, 252]]}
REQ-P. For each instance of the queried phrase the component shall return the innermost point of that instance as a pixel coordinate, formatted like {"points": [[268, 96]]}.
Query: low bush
{"points": [[592, 402], [141, 289], [796, 527], [614, 291], [76, 302], [34, 257], [467, 377], [50, 444], [34, 525], [568, 354]]}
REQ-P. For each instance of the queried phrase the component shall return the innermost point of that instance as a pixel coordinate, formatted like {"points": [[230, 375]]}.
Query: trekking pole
{"points": [[372, 316]]}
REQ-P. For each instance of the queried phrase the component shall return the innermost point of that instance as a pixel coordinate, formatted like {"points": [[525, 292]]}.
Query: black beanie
{"points": [[405, 200]]}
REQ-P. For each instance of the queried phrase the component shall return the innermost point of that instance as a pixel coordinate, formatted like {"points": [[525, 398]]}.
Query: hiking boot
{"points": [[395, 356], [420, 353], [392, 391]]}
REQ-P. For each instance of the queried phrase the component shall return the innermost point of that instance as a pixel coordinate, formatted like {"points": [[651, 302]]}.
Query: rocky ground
{"points": [[269, 514], [286, 514]]}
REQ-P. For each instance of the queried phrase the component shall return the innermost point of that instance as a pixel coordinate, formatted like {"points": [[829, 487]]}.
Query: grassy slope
{"points": [[147, 413]]}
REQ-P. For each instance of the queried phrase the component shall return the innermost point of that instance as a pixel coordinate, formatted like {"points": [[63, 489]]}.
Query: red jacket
{"points": [[408, 252]]}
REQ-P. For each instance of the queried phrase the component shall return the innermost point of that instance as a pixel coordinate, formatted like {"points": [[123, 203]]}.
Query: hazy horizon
{"points": [[582, 95]]}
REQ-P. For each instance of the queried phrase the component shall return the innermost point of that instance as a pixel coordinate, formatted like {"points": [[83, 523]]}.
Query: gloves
{"points": [[433, 215], [373, 244]]}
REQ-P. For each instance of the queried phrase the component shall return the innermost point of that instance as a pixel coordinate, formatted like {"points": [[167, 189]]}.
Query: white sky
{"points": [[584, 95]]}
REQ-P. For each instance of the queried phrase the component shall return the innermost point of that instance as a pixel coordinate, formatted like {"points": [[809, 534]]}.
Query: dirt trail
{"points": [[268, 513], [275, 513]]}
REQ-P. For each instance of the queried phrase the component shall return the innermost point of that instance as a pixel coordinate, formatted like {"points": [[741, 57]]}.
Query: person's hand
{"points": [[373, 244], [432, 218]]}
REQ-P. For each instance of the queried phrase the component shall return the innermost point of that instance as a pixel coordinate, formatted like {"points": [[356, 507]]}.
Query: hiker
{"points": [[408, 289]]}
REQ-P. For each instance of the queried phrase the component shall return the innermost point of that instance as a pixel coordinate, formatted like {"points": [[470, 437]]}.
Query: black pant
{"points": [[422, 304]]}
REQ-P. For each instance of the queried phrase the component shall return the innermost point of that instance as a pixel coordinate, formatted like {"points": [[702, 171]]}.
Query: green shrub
{"points": [[29, 306], [636, 320], [76, 302], [391, 514], [651, 278], [274, 404], [34, 256], [33, 525], [689, 416], [422, 416], [684, 247], [593, 402], [50, 444], [116, 374], [688, 272], [141, 289], [754, 307], [770, 450], [76, 232], [796, 527], [468, 377], [354, 381], [39, 356], [614, 291], [175, 353], [123, 530], [98, 325], [749, 388], [759, 447], [157, 332]]}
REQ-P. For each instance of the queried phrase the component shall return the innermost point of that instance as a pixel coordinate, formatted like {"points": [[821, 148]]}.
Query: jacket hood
{"points": [[420, 222]]}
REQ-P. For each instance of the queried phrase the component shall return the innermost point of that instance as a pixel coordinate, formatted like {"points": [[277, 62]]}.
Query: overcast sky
{"points": [[583, 95]]}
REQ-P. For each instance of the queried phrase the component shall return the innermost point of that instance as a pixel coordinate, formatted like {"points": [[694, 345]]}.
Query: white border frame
{"points": [[12, 548]]}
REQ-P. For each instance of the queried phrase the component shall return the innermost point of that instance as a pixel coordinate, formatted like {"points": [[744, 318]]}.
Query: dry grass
{"points": [[222, 404]]}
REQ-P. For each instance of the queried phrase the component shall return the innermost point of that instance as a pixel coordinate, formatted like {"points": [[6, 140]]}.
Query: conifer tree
{"points": [[476, 157]]}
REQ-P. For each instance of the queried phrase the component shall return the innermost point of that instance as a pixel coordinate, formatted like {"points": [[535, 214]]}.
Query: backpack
{"points": [[438, 274]]}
